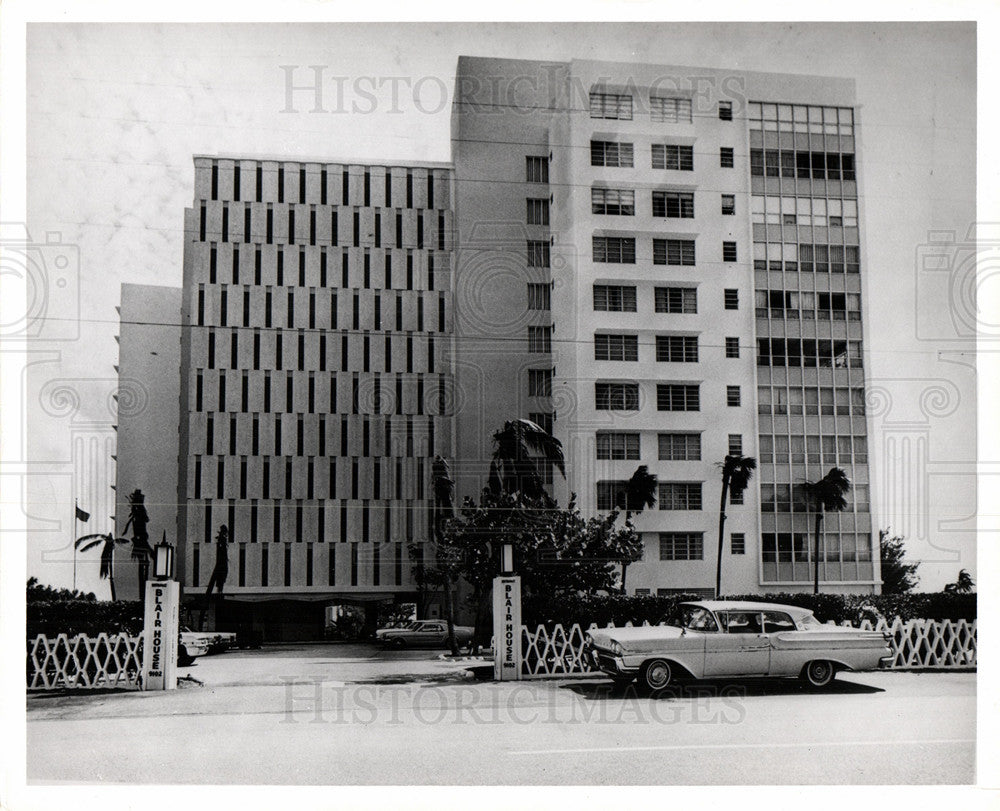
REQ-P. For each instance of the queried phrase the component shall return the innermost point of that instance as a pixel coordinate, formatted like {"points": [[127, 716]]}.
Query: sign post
{"points": [[507, 628], [160, 633]]}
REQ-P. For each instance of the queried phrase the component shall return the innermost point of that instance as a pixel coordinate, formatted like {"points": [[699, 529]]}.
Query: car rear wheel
{"points": [[819, 673], [398, 642], [656, 674]]}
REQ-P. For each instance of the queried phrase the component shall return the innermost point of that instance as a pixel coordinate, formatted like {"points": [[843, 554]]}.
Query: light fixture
{"points": [[507, 558], [163, 561]]}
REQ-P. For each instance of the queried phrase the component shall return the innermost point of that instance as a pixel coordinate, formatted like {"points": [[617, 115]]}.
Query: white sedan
{"points": [[716, 639]]}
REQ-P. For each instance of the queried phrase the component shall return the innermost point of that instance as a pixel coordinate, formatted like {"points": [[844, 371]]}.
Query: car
{"points": [[190, 646], [424, 633], [723, 639], [214, 641]]}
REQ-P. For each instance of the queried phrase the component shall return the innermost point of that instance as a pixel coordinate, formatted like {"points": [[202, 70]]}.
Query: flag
{"points": [[81, 515]]}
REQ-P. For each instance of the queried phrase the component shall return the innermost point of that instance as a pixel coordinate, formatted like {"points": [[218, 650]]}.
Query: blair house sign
{"points": [[507, 628], [161, 627]]}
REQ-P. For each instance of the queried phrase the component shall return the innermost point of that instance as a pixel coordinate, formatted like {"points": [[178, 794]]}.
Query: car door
{"points": [[742, 649], [432, 634], [786, 655]]}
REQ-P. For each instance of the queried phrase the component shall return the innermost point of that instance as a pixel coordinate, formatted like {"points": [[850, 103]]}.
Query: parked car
{"points": [[214, 641], [190, 646], [424, 633], [734, 638]]}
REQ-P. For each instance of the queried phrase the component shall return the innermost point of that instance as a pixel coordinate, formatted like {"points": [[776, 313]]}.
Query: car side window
{"points": [[741, 622], [433, 628], [775, 621]]}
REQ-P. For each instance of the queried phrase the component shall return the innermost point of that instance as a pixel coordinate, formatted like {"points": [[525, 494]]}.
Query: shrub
{"points": [[72, 617]]}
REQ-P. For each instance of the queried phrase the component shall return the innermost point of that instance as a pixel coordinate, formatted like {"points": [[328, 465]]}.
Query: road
{"points": [[353, 715]]}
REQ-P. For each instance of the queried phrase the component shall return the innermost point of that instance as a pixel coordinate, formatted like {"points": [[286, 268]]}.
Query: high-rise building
{"points": [[664, 265]]}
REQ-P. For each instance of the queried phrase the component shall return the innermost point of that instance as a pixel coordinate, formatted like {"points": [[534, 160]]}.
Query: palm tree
{"points": [[142, 552], [638, 494], [444, 495], [964, 585], [737, 470], [828, 494], [107, 544], [518, 447]]}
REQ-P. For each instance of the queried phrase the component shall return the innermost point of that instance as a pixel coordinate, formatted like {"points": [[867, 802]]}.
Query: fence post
{"points": [[507, 628]]}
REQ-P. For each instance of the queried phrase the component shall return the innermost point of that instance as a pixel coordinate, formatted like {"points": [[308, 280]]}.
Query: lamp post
{"points": [[161, 626]]}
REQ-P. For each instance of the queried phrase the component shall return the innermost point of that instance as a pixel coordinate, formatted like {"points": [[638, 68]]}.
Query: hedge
{"points": [[72, 617], [617, 609]]}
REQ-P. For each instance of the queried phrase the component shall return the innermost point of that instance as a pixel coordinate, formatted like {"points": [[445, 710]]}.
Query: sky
{"points": [[115, 113]]}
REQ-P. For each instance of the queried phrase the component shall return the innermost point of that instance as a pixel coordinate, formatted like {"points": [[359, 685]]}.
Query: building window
{"points": [[680, 496], [673, 252], [619, 250], [725, 110], [729, 204], [731, 298], [539, 296], [539, 339], [543, 419], [538, 211], [611, 153], [726, 157], [669, 110], [536, 169], [677, 348], [538, 253], [673, 204], [614, 298], [732, 347], [676, 299], [612, 201], [679, 447], [642, 593], [539, 382], [783, 547], [673, 156], [616, 396], [737, 543], [681, 545], [609, 493], [617, 445], [616, 347], [678, 397], [732, 395], [735, 445], [611, 105], [728, 251]]}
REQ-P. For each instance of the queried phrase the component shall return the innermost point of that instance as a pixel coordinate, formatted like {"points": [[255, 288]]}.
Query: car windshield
{"points": [[809, 621], [698, 619]]}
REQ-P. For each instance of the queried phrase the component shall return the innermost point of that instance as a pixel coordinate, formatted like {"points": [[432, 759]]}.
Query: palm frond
{"points": [[88, 542]]}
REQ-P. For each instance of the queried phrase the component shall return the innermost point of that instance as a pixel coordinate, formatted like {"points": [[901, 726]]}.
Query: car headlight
{"points": [[617, 649]]}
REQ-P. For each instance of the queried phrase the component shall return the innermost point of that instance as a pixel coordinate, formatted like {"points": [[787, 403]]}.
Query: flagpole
{"points": [[72, 540]]}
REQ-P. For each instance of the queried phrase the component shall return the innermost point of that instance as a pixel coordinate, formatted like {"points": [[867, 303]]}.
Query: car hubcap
{"points": [[658, 675], [820, 671]]}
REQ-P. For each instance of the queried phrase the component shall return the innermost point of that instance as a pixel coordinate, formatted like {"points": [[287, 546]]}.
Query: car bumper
{"points": [[886, 662], [608, 663]]}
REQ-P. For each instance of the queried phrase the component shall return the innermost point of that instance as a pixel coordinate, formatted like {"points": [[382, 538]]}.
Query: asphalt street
{"points": [[356, 715]]}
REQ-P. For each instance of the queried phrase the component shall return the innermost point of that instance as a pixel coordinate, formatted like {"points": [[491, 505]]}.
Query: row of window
{"points": [[672, 109], [623, 299], [277, 356], [373, 396], [809, 352], [838, 400], [621, 250], [807, 258], [250, 237], [803, 165], [669, 348], [678, 446], [811, 448], [801, 118], [624, 396], [666, 204], [810, 211], [785, 498], [808, 305], [671, 495], [306, 177], [788, 547]]}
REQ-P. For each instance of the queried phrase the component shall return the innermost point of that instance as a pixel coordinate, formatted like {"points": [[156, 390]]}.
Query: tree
{"points": [[142, 552], [35, 592], [107, 544], [220, 572], [638, 494], [828, 494], [518, 447], [964, 585], [444, 495], [898, 577], [737, 470]]}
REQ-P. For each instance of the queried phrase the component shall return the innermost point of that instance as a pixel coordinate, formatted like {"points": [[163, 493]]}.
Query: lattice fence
{"points": [[915, 644], [82, 661]]}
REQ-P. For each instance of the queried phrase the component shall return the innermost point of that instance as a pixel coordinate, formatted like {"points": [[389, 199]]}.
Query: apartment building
{"points": [[664, 265]]}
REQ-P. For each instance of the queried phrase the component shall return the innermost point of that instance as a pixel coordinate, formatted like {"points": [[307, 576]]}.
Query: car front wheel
{"points": [[398, 642], [819, 673], [656, 674]]}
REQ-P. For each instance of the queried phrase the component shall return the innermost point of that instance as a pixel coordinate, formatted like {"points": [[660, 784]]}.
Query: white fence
{"points": [[915, 644], [82, 661]]}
